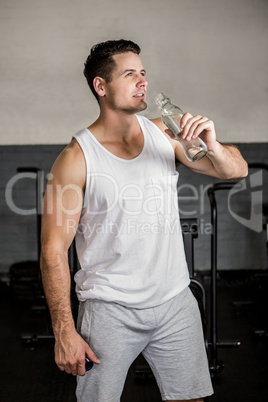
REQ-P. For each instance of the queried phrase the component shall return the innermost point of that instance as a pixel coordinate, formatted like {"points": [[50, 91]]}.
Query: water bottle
{"points": [[195, 149]]}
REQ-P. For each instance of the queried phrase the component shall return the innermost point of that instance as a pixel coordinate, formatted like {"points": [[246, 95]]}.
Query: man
{"points": [[114, 186]]}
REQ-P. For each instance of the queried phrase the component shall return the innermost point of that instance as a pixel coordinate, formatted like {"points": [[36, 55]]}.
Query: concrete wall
{"points": [[210, 56]]}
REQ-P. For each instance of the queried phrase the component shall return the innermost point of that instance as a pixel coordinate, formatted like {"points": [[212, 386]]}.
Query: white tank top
{"points": [[129, 241]]}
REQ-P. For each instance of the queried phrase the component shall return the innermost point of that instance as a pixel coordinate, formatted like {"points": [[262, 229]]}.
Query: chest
{"points": [[125, 149]]}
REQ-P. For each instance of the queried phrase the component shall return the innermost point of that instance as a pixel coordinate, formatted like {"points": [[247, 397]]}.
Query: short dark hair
{"points": [[100, 62]]}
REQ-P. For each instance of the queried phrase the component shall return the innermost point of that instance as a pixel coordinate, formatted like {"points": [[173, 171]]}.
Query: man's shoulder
{"points": [[70, 164], [72, 152]]}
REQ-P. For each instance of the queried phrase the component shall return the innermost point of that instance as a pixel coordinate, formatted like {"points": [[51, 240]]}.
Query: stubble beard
{"points": [[134, 109], [128, 109]]}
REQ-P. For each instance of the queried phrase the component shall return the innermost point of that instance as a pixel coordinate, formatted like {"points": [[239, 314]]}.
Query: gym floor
{"points": [[28, 371]]}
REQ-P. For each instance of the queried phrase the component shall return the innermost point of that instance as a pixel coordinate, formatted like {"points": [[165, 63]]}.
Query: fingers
{"points": [[91, 355], [76, 366], [80, 367], [193, 126]]}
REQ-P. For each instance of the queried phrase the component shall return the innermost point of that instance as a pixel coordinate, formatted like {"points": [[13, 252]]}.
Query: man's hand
{"points": [[70, 353], [222, 161], [198, 126]]}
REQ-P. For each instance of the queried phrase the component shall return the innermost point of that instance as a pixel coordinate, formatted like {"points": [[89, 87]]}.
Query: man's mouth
{"points": [[139, 95]]}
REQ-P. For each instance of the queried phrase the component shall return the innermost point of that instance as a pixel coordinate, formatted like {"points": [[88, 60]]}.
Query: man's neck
{"points": [[119, 134], [115, 126]]}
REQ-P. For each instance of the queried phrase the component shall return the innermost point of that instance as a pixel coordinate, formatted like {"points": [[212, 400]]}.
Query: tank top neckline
{"points": [[139, 118]]}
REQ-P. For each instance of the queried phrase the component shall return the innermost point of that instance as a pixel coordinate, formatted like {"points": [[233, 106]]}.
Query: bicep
{"points": [[63, 202], [61, 212]]}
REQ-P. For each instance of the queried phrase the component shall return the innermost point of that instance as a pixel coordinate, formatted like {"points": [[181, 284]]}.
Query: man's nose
{"points": [[142, 82]]}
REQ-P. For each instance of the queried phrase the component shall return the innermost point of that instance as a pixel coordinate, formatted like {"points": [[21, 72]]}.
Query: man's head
{"points": [[101, 63]]}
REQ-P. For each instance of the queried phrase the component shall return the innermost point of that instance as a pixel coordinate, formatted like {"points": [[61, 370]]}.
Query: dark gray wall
{"points": [[18, 236], [239, 247]]}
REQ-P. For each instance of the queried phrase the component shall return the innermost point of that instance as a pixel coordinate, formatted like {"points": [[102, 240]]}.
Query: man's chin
{"points": [[139, 108], [143, 106]]}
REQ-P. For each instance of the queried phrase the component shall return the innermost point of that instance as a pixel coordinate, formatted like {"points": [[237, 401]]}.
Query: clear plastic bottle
{"points": [[195, 149]]}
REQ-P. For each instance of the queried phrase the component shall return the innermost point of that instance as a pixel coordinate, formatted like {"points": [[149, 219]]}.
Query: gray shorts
{"points": [[169, 336]]}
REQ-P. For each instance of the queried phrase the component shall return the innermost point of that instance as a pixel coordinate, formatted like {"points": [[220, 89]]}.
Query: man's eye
{"points": [[128, 74]]}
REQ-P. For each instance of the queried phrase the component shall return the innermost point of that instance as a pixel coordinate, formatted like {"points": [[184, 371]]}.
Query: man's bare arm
{"points": [[62, 208], [222, 161]]}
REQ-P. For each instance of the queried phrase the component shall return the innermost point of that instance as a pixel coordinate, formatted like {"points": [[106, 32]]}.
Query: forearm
{"points": [[222, 161], [56, 283], [227, 161], [70, 348]]}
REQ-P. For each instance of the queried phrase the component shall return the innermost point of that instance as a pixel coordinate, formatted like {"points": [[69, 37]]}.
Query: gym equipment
{"points": [[216, 365]]}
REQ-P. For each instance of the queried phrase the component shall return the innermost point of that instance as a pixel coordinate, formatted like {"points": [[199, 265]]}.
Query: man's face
{"points": [[127, 90]]}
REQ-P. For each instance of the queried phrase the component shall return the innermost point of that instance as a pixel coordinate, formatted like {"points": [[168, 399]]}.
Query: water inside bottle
{"points": [[172, 124]]}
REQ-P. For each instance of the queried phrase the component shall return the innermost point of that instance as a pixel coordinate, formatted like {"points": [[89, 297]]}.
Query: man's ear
{"points": [[99, 86]]}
